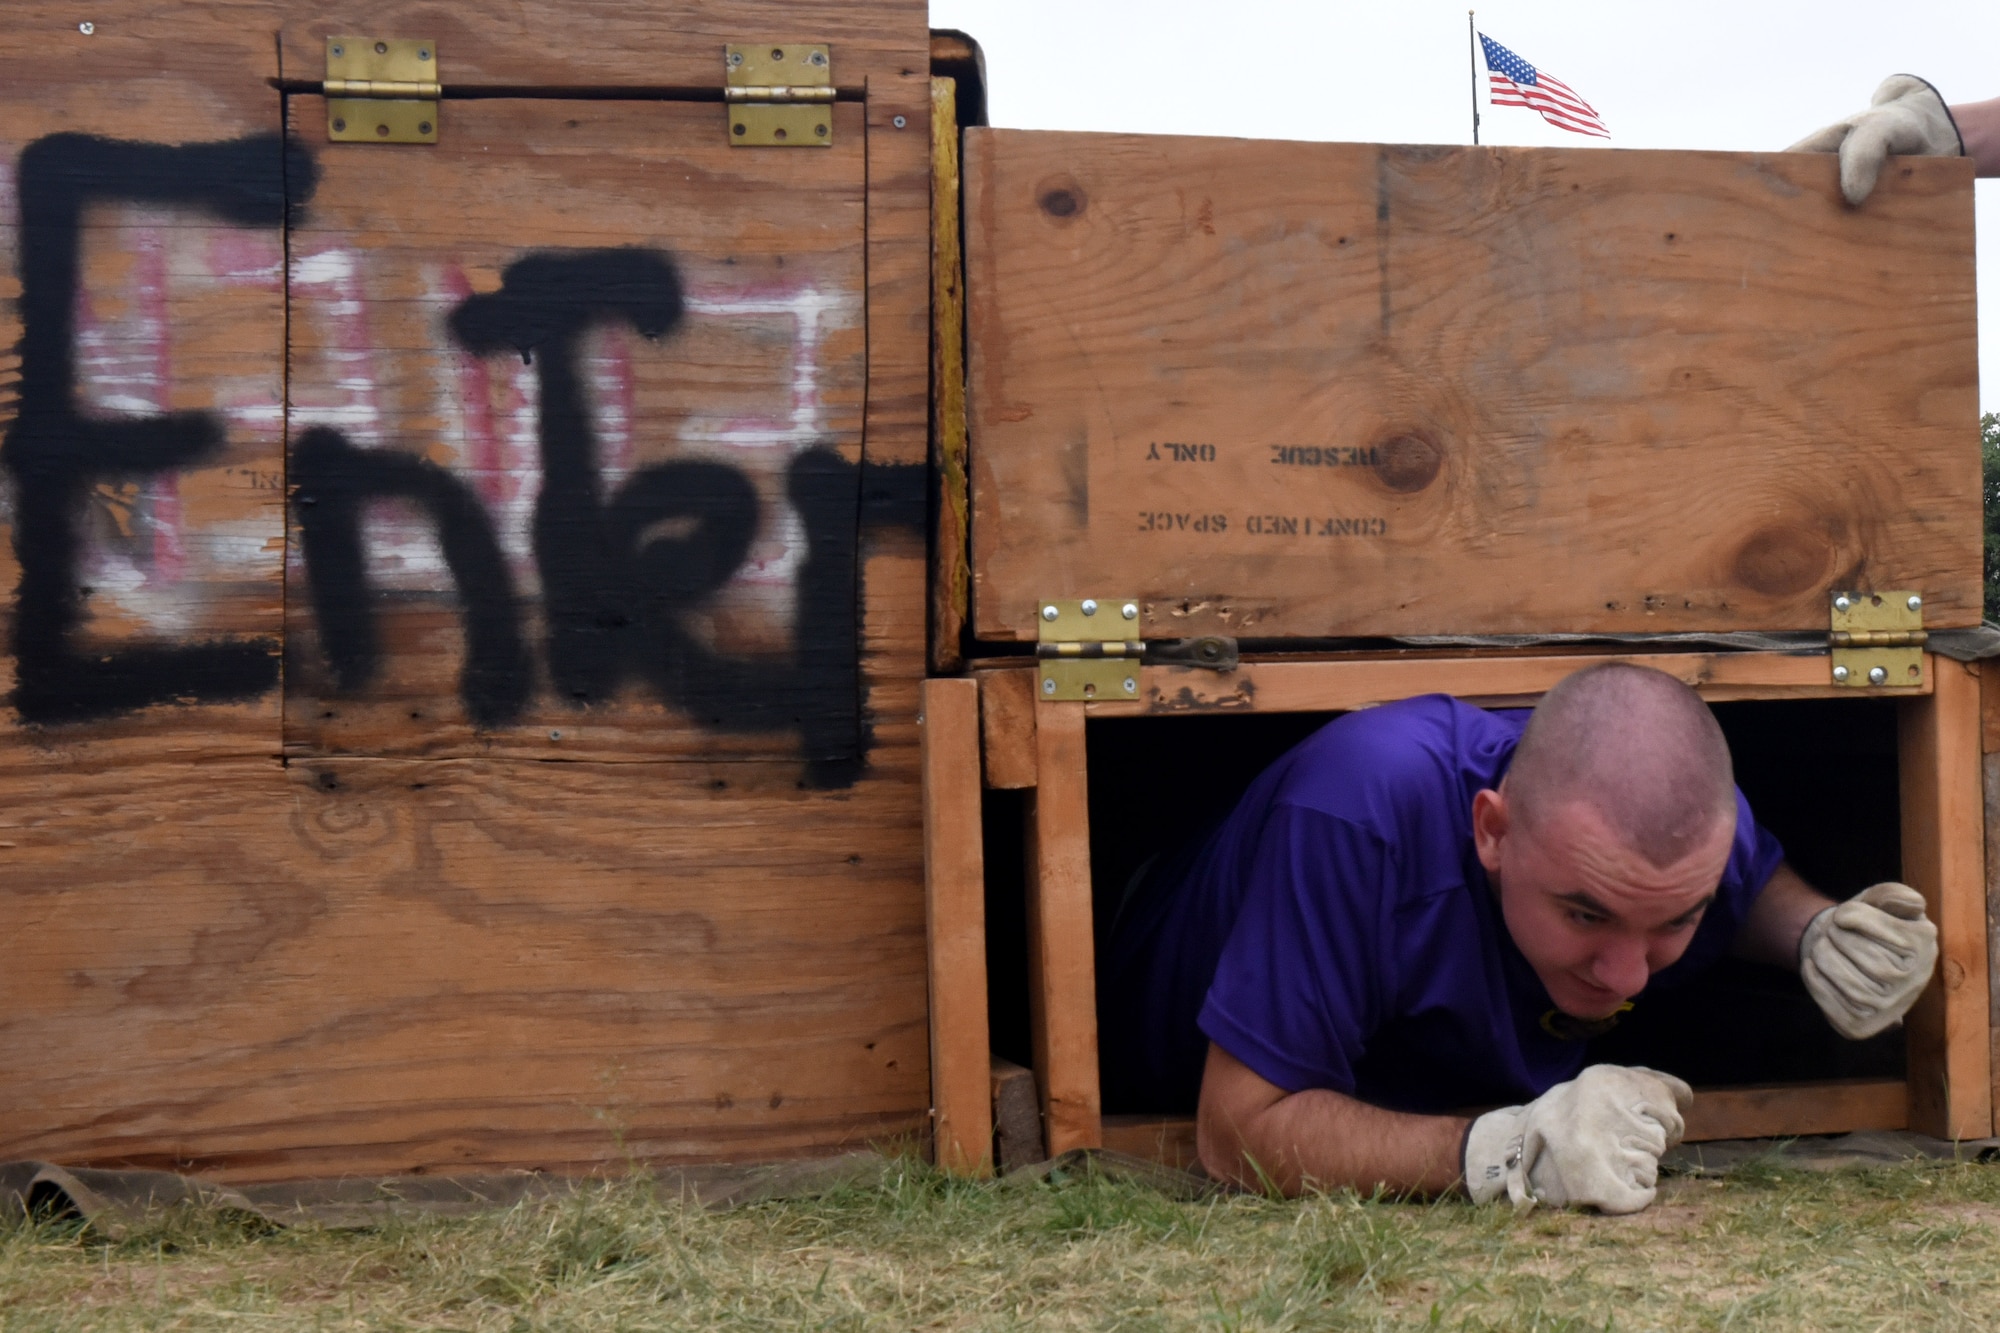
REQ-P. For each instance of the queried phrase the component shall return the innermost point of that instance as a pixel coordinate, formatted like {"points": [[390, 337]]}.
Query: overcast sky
{"points": [[1737, 74]]}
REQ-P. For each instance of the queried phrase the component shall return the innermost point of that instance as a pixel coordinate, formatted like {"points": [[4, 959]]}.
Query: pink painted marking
{"points": [[245, 257], [160, 492], [611, 377], [475, 394]]}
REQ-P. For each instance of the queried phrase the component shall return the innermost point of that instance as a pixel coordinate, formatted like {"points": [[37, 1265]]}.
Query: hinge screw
{"points": [[1048, 685], [1840, 673], [86, 28], [1089, 606], [1131, 685], [1916, 602], [1842, 603], [1130, 610], [1050, 613], [1877, 675]]}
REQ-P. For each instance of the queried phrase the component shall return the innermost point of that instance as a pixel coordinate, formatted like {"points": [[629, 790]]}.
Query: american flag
{"points": [[1517, 83]]}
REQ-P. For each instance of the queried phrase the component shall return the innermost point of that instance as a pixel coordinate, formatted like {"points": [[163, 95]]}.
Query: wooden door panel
{"points": [[1286, 389], [618, 365]]}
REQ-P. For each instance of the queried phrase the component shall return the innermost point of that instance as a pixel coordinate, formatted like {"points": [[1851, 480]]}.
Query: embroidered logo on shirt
{"points": [[1568, 1027]]}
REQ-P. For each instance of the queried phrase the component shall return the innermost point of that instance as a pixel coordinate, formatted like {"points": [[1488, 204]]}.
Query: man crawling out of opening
{"points": [[1429, 906]]}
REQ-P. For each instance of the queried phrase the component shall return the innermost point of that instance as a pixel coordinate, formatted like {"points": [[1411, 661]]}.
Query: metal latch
{"points": [[1877, 640], [780, 95], [381, 90], [1089, 649]]}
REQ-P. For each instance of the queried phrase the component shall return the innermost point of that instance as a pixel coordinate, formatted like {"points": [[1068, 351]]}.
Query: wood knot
{"points": [[1408, 462], [1061, 198], [1783, 561]]}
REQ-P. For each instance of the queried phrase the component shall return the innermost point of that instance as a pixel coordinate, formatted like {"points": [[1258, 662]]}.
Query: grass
{"points": [[1906, 1247]]}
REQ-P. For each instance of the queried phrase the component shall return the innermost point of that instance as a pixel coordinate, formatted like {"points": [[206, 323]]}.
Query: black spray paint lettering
{"points": [[619, 575], [334, 481], [54, 453]]}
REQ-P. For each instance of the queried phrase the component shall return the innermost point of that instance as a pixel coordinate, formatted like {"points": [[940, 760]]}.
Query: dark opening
{"points": [[1820, 774], [1004, 822]]}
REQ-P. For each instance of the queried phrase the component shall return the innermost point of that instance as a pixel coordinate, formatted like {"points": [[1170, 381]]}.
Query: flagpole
{"points": [[1472, 57]]}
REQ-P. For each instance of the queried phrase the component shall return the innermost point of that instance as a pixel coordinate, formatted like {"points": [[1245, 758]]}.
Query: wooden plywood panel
{"points": [[357, 965], [1308, 389], [373, 966], [619, 367], [141, 392]]}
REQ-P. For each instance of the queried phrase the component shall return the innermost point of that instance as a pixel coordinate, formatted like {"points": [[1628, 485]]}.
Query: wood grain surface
{"points": [[154, 314], [1944, 845], [955, 917], [1500, 680], [764, 365], [951, 576], [1062, 967], [1007, 726], [1281, 389], [696, 943], [665, 45], [1017, 1117], [356, 965]]}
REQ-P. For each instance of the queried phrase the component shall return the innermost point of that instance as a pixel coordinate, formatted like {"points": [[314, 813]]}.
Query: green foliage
{"points": [[1989, 457]]}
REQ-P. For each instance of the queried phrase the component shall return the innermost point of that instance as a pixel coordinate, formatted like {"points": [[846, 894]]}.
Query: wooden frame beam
{"points": [[1950, 1090], [955, 923], [1062, 962], [1944, 843]]}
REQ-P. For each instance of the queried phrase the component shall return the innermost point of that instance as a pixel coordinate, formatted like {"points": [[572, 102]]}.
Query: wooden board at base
{"points": [[1295, 389], [380, 966]]}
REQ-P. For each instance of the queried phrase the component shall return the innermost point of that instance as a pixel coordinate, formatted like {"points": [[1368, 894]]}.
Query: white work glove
{"points": [[1907, 115], [1593, 1142], [1866, 960]]}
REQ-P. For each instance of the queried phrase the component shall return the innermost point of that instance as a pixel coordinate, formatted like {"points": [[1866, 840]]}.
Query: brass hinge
{"points": [[381, 90], [1089, 649], [780, 95], [1876, 640]]}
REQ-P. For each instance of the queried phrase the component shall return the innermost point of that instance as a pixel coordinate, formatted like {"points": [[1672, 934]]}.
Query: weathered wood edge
{"points": [[1062, 968], [1277, 687], [951, 570], [1943, 817], [955, 917]]}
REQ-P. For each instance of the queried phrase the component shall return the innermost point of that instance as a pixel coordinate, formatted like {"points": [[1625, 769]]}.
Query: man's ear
{"points": [[1489, 827]]}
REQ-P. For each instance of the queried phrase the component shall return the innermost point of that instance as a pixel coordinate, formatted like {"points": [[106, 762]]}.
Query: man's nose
{"points": [[1621, 966]]}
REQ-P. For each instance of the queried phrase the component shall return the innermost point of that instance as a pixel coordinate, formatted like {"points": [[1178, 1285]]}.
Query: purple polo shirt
{"points": [[1337, 930]]}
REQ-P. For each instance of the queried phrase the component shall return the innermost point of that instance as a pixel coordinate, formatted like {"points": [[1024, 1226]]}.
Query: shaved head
{"points": [[1636, 746]]}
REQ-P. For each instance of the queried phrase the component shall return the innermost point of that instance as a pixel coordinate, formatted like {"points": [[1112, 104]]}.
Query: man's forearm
{"points": [[1979, 126], [1770, 934], [1326, 1139]]}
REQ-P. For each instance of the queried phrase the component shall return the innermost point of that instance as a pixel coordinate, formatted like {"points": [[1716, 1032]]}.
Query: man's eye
{"points": [[1585, 918]]}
